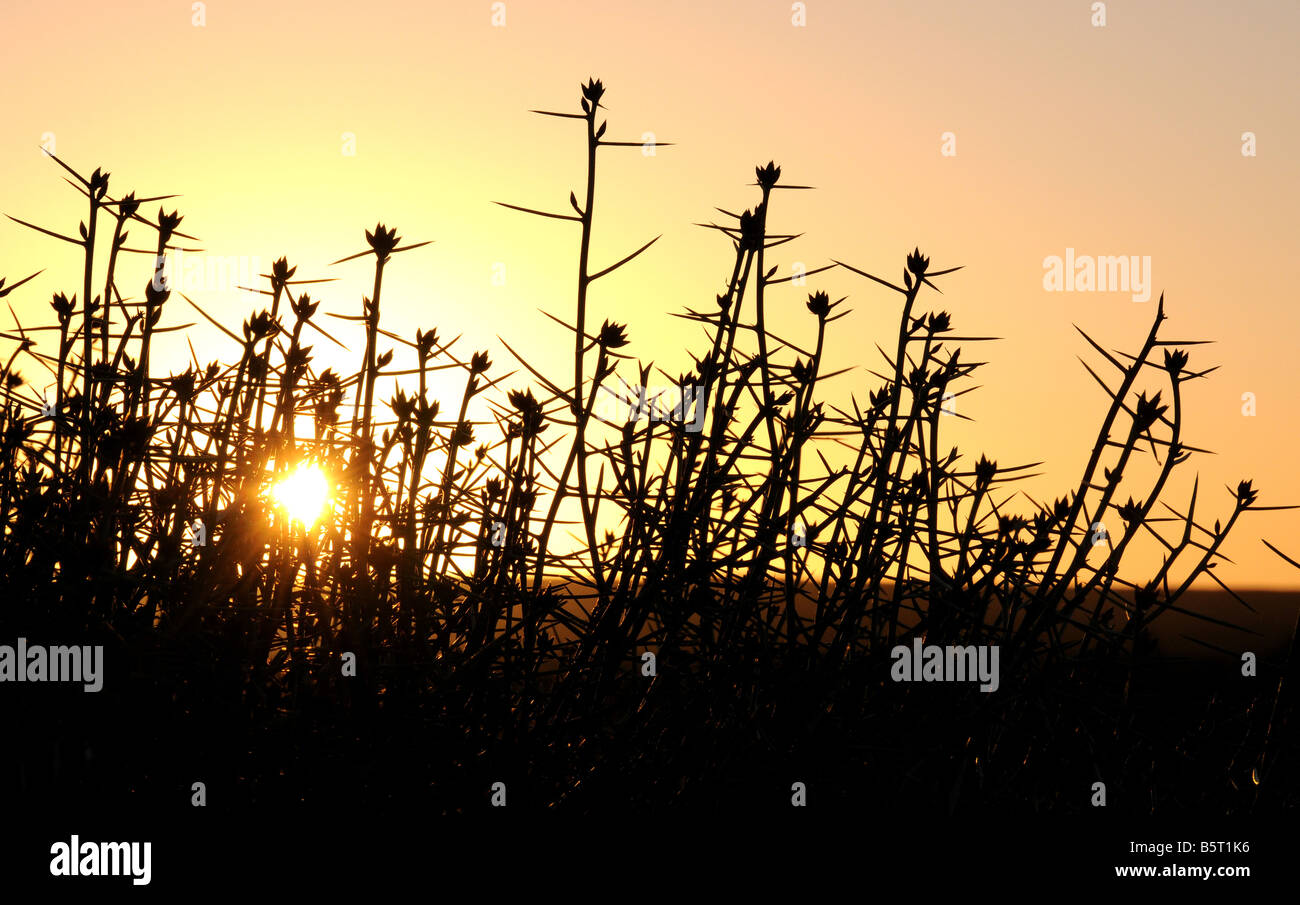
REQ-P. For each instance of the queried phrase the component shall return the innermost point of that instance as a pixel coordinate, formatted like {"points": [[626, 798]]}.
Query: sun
{"points": [[303, 493]]}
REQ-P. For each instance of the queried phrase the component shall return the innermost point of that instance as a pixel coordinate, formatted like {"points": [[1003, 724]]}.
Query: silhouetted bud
{"points": [[167, 224], [303, 307], [63, 306], [1009, 525], [916, 263], [382, 241], [523, 400], [768, 175], [424, 343], [593, 91], [260, 326], [879, 398], [819, 303], [1147, 412], [751, 231], [938, 323], [1175, 361], [98, 183], [402, 406], [1145, 598], [463, 435], [1130, 511], [612, 335], [1246, 494], [281, 271], [183, 385]]}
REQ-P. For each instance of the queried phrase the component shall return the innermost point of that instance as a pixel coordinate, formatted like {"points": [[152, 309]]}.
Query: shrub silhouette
{"points": [[770, 584]]}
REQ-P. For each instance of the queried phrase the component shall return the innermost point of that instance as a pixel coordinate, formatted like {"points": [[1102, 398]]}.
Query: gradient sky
{"points": [[1118, 140]]}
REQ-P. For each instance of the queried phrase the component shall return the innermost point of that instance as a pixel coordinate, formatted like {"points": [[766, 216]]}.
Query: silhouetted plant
{"points": [[771, 584]]}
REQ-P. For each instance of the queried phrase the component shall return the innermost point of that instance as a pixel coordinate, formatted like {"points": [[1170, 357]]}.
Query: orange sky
{"points": [[1115, 140]]}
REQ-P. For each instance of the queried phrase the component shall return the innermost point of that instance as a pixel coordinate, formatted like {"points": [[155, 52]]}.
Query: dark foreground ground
{"points": [[918, 775]]}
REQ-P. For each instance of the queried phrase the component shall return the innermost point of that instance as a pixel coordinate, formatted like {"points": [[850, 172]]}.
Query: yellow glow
{"points": [[1118, 140], [303, 493]]}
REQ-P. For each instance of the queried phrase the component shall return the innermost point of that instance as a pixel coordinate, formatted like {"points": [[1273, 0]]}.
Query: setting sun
{"points": [[302, 494]]}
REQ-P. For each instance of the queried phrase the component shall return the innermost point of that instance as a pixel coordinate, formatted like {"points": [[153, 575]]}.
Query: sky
{"points": [[991, 135]]}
